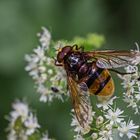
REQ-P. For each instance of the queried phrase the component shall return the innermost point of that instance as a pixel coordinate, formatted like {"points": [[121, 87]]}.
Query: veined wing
{"points": [[113, 59], [81, 103]]}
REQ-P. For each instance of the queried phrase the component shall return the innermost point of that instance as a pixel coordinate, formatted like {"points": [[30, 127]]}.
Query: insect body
{"points": [[88, 72], [88, 76]]}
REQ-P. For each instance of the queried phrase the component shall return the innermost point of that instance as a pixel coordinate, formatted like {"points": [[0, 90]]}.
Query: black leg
{"points": [[81, 48]]}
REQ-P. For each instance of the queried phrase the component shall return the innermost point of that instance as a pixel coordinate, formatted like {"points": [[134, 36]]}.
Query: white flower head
{"points": [[105, 135], [44, 38], [94, 136], [136, 61], [99, 120], [78, 137], [106, 103], [12, 135], [114, 116], [22, 122], [31, 123], [131, 85], [21, 109], [78, 128], [128, 129], [137, 96], [35, 66], [45, 137]]}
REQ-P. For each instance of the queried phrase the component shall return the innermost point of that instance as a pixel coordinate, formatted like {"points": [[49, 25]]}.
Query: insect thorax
{"points": [[77, 65]]}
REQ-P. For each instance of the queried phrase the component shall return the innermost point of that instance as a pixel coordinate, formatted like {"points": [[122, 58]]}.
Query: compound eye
{"points": [[60, 56], [63, 53]]}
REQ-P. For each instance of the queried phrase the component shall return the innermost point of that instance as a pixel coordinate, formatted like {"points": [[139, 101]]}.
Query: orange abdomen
{"points": [[99, 81], [103, 85]]}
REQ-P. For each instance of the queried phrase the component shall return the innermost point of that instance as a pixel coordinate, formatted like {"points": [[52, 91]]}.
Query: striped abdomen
{"points": [[99, 82]]}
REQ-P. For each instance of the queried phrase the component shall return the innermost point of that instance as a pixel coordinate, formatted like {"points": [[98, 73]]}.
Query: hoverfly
{"points": [[89, 72]]}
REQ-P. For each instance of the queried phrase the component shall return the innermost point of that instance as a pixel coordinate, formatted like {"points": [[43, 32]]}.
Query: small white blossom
{"points": [[114, 116], [106, 103], [21, 122], [136, 61], [137, 96], [78, 137], [78, 128], [108, 126], [21, 109], [31, 124], [12, 135], [99, 120], [45, 137], [105, 135], [128, 129], [44, 38], [94, 136], [35, 65]]}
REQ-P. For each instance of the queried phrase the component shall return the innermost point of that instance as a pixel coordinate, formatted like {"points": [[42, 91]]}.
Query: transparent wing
{"points": [[81, 103], [112, 59]]}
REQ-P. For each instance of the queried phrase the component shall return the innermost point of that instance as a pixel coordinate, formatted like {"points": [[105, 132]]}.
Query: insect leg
{"points": [[81, 48]]}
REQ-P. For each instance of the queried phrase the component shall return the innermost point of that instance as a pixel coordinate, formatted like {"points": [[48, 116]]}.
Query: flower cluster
{"points": [[131, 86], [23, 124], [41, 68], [109, 121]]}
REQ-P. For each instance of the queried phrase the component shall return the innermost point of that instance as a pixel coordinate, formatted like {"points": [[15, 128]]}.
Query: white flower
{"points": [[41, 68], [45, 137], [22, 122], [40, 54], [45, 38], [22, 129], [131, 85], [136, 61], [20, 110], [108, 126], [78, 137], [105, 135], [86, 128], [94, 136], [77, 126], [99, 120], [114, 116], [131, 69], [131, 102], [105, 104], [13, 136], [128, 129], [137, 96], [35, 66], [31, 124], [46, 98]]}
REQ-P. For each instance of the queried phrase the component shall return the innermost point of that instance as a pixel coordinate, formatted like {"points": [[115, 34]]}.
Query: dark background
{"points": [[20, 20]]}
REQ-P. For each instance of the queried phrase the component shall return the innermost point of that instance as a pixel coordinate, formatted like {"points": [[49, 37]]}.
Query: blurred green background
{"points": [[20, 20]]}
